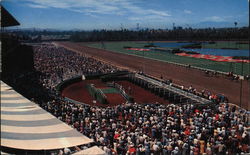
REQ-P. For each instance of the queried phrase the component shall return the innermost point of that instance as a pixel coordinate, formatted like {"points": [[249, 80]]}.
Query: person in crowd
{"points": [[159, 129]]}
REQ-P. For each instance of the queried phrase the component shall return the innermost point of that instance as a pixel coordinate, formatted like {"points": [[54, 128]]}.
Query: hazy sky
{"points": [[114, 14]]}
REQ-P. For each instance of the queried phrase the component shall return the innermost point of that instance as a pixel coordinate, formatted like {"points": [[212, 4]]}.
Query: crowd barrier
{"points": [[172, 89], [97, 94], [78, 78], [67, 82], [122, 92]]}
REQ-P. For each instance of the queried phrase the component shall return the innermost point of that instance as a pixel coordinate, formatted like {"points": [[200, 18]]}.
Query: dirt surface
{"points": [[141, 95], [78, 92], [180, 75]]}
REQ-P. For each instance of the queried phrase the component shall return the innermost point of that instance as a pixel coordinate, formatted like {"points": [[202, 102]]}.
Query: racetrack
{"points": [[180, 75], [167, 56]]}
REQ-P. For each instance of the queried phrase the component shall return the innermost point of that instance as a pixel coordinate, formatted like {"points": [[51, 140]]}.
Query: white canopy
{"points": [[24, 125], [91, 151]]}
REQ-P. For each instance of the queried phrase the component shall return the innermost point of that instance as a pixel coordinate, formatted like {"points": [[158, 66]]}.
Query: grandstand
{"points": [[14, 56], [25, 127], [7, 19]]}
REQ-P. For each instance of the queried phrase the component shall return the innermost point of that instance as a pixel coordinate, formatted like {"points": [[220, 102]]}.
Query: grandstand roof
{"points": [[7, 19], [93, 151], [24, 125]]}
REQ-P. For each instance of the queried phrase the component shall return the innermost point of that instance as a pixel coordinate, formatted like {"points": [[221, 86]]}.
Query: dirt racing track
{"points": [[180, 75]]}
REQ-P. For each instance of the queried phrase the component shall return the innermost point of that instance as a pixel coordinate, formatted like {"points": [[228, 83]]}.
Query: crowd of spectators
{"points": [[132, 128], [159, 129], [58, 64]]}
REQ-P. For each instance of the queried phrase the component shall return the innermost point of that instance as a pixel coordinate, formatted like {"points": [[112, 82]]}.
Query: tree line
{"points": [[162, 34], [178, 33]]}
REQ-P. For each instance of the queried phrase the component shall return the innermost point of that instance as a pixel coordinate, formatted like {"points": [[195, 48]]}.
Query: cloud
{"points": [[187, 12], [36, 6], [131, 7], [159, 13], [98, 7], [214, 19], [135, 18], [85, 5], [149, 17]]}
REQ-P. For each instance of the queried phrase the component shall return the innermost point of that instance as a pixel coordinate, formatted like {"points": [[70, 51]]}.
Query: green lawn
{"points": [[168, 57]]}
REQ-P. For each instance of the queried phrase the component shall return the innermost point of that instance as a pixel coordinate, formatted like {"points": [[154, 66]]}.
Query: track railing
{"points": [[173, 89]]}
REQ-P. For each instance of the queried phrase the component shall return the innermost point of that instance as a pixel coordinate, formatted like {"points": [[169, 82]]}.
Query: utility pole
{"points": [[241, 79]]}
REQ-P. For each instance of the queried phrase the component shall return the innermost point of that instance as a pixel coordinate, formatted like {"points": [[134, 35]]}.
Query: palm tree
{"points": [[235, 24]]}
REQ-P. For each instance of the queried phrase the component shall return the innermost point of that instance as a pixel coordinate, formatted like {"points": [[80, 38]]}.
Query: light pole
{"points": [[241, 83], [241, 79], [144, 62]]}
